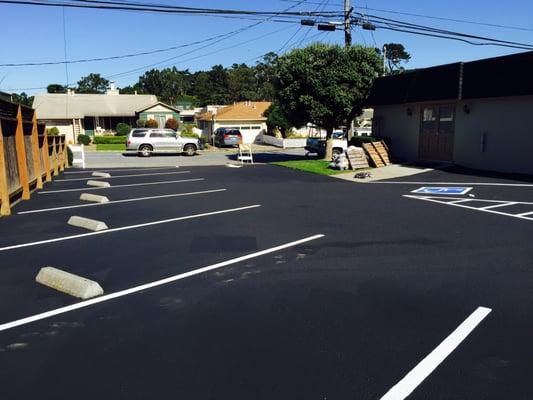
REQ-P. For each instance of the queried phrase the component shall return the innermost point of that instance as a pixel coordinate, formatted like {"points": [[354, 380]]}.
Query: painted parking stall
{"points": [[249, 268]]}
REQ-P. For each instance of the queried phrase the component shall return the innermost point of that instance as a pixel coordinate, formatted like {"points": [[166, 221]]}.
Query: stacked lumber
{"points": [[357, 158], [378, 153]]}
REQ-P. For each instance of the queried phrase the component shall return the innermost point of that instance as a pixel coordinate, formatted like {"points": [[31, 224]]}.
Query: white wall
{"points": [[65, 128], [507, 127], [402, 129], [505, 124]]}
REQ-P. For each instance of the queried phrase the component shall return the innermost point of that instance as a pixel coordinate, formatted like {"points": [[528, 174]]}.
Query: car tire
{"points": [[189, 150], [145, 150]]}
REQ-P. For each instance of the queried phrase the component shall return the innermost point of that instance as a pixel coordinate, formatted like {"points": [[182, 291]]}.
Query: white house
{"points": [[475, 114], [247, 116], [73, 113]]}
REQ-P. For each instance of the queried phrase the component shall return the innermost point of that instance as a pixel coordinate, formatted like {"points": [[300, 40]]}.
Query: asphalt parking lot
{"points": [[262, 282]]}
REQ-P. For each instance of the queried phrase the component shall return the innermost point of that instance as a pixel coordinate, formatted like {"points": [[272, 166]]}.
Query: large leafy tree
{"points": [[276, 119], [167, 84], [242, 83], [56, 88], [265, 71], [395, 56], [22, 98], [325, 84], [92, 83]]}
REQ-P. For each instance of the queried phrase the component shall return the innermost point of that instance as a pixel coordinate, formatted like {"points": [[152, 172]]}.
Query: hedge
{"points": [[109, 139], [84, 139]]}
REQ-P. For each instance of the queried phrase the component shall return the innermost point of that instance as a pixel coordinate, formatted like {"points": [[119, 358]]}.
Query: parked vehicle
{"points": [[147, 141], [316, 143], [227, 137]]}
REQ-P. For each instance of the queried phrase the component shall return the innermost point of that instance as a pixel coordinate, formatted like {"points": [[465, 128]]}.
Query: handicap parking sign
{"points": [[442, 190]]}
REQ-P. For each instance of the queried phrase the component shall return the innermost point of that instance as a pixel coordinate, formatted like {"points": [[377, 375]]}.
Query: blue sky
{"points": [[35, 34]]}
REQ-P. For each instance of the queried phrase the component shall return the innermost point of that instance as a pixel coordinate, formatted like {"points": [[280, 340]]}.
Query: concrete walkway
{"points": [[388, 172]]}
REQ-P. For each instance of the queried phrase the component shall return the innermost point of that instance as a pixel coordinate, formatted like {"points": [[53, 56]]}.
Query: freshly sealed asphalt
{"points": [[344, 316]]}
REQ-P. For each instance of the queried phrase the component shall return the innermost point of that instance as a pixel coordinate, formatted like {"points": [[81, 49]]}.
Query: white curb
{"points": [[101, 174], [90, 224], [66, 282], [98, 183], [94, 198]]}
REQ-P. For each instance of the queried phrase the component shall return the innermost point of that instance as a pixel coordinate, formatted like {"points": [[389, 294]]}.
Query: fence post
{"points": [[46, 158], [5, 207], [21, 157], [63, 149], [35, 152], [54, 155]]}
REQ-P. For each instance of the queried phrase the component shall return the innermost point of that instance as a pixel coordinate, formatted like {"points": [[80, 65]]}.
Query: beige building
{"points": [[247, 116], [75, 113], [476, 114]]}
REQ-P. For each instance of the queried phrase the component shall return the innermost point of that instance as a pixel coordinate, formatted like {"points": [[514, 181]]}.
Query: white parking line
{"points": [[417, 375], [125, 228], [124, 176], [119, 170], [483, 209], [525, 214], [504, 204], [122, 201], [154, 284], [459, 201], [454, 183], [120, 186]]}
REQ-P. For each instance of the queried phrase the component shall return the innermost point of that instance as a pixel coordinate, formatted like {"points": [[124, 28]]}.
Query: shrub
{"points": [[152, 123], [359, 140], [189, 134], [188, 128], [53, 131], [172, 123], [122, 129], [141, 123], [109, 140], [70, 156], [84, 139]]}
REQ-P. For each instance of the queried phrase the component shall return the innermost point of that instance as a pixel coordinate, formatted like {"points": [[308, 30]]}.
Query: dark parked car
{"points": [[227, 137]]}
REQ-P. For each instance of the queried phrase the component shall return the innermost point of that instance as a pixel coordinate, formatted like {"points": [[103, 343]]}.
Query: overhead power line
{"points": [[178, 10], [435, 17], [407, 27]]}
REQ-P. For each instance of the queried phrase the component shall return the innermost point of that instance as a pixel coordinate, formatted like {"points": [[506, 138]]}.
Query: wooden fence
{"points": [[28, 156]]}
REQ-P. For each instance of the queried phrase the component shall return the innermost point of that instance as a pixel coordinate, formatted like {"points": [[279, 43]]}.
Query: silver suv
{"points": [[146, 141]]}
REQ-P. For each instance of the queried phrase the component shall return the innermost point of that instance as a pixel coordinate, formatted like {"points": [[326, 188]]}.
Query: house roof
{"points": [[243, 111], [68, 106], [159, 103], [491, 77]]}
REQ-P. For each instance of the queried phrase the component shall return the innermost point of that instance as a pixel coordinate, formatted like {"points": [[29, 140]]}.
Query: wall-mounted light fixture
{"points": [[466, 109], [409, 111]]}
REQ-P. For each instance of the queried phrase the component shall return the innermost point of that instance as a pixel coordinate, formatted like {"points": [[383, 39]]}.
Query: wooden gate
{"points": [[437, 126]]}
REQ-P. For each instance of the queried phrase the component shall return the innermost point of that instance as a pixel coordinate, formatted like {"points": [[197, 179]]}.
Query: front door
{"points": [[437, 127], [161, 120]]}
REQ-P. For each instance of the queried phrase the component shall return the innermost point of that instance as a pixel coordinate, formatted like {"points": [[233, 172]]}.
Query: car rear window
{"points": [[138, 133]]}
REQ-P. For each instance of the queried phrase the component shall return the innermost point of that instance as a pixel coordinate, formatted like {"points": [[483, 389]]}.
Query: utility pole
{"points": [[348, 43], [384, 60], [347, 25]]}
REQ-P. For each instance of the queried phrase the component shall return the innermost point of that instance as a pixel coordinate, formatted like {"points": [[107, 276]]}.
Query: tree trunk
{"points": [[329, 144]]}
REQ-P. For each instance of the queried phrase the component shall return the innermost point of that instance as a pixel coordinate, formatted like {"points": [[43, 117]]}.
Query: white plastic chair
{"points": [[78, 155], [245, 153]]}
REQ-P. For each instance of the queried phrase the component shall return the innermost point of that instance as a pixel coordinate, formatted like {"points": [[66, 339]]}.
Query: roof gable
{"points": [[243, 111], [159, 103]]}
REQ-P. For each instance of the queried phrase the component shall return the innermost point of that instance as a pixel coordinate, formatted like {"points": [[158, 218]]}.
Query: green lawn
{"points": [[111, 147], [314, 166]]}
